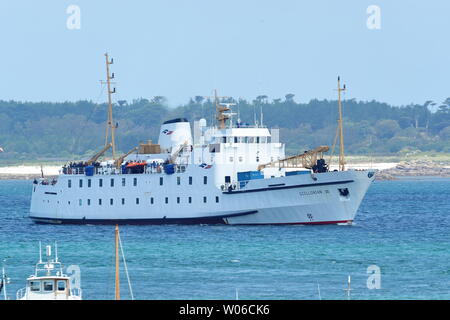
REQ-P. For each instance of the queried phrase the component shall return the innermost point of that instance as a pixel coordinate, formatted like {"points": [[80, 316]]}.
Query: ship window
{"points": [[112, 182], [161, 181], [217, 199], [178, 180], [190, 199], [123, 182], [35, 286], [137, 200], [100, 183], [89, 183], [81, 183], [167, 200], [263, 139], [178, 199], [151, 200], [99, 202], [190, 180], [123, 200], [257, 139], [235, 139], [251, 139], [224, 139], [80, 202], [135, 182], [205, 180], [111, 201], [204, 199], [88, 202], [48, 286], [61, 285], [69, 183]]}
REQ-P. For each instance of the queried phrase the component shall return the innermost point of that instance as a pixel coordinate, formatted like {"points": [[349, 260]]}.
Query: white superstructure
{"points": [[49, 282]]}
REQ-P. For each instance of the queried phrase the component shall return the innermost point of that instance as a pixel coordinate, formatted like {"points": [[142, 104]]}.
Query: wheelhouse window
{"points": [[48, 286], [190, 180], [137, 200], [61, 285], [178, 199], [190, 199], [35, 286], [112, 182], [217, 199], [167, 200], [123, 200], [81, 183], [205, 199], [99, 202], [88, 202], [111, 201], [134, 182], [89, 183], [69, 183], [100, 183], [123, 182], [205, 180], [151, 200], [161, 181]]}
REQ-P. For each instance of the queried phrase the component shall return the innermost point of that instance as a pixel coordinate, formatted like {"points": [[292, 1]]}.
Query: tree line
{"points": [[71, 130]]}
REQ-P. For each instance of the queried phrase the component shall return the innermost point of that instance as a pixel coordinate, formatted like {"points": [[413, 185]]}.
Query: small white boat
{"points": [[49, 282]]}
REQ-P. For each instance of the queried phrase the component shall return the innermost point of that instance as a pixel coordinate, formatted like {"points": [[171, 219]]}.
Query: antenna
{"points": [[341, 130], [56, 252], [349, 280], [237, 294], [48, 251], [40, 252]]}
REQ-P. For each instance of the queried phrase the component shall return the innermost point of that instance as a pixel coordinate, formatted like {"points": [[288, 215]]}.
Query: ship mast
{"points": [[110, 124], [340, 126], [117, 291], [220, 109]]}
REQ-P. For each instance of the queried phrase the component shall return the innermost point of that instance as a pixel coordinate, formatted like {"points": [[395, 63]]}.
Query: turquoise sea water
{"points": [[402, 226]]}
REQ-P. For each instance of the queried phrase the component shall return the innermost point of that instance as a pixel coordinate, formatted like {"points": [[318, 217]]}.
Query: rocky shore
{"points": [[415, 168]]}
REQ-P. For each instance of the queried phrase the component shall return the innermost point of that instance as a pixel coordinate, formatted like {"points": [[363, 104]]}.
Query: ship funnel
{"points": [[175, 133]]}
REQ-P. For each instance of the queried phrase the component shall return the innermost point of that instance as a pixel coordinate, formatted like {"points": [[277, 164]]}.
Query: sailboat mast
{"points": [[341, 130], [110, 111], [117, 263]]}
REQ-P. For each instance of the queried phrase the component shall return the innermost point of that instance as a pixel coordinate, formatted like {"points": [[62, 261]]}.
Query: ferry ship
{"points": [[227, 172]]}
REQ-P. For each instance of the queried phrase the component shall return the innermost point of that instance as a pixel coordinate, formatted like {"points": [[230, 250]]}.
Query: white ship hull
{"points": [[299, 199]]}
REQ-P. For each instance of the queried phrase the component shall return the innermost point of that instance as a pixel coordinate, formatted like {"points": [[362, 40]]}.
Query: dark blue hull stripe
{"points": [[199, 220], [290, 187]]}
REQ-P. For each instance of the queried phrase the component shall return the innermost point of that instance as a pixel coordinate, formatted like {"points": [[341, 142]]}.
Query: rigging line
{"points": [[126, 268], [75, 144]]}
